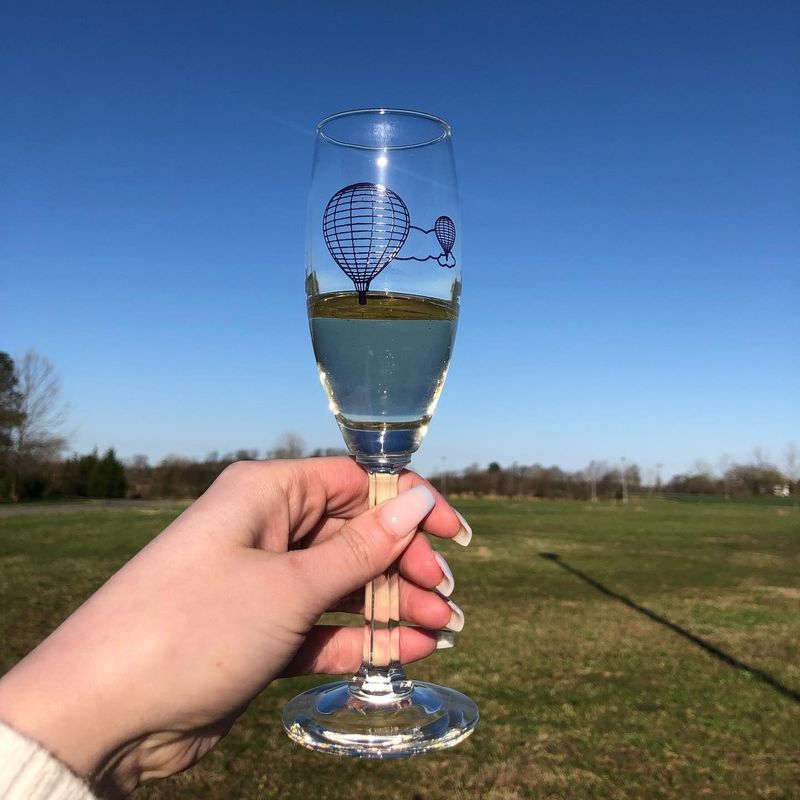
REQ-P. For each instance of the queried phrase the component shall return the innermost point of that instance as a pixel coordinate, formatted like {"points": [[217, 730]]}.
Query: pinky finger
{"points": [[336, 650]]}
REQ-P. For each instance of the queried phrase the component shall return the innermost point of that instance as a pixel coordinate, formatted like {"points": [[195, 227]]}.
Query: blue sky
{"points": [[630, 183]]}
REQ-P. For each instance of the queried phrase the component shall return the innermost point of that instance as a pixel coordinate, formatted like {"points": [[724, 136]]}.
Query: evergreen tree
{"points": [[107, 476], [10, 417], [10, 399]]}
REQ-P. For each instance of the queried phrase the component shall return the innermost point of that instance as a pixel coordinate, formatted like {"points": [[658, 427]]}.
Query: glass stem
{"points": [[381, 677]]}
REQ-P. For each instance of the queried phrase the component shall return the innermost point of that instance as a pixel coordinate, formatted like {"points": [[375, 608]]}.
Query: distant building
{"points": [[781, 490]]}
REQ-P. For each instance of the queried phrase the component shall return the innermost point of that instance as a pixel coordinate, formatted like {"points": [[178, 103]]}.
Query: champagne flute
{"points": [[383, 288]]}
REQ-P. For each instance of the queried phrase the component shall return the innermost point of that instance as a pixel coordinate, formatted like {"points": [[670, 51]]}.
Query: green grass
{"points": [[581, 695]]}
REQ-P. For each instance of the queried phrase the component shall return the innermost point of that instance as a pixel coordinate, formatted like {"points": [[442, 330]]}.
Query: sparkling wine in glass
{"points": [[383, 289]]}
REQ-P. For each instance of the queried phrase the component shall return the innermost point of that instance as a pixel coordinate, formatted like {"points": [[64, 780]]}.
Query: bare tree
{"points": [[760, 456], [246, 454], [791, 458], [37, 435], [623, 474], [702, 467], [594, 471], [288, 445], [725, 465]]}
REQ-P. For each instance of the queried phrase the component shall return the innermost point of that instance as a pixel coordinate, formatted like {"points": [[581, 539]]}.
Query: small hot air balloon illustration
{"points": [[445, 230], [365, 225]]}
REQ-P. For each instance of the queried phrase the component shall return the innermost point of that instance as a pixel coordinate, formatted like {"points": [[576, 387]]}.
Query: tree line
{"points": [[33, 467], [600, 480], [178, 477]]}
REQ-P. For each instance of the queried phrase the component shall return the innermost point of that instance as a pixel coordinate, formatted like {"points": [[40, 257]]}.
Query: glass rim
{"points": [[444, 134]]}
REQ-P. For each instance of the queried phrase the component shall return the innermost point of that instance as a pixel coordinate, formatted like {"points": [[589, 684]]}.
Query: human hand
{"points": [[145, 677]]}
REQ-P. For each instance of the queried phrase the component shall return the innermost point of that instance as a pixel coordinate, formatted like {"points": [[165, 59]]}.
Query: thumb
{"points": [[366, 546]]}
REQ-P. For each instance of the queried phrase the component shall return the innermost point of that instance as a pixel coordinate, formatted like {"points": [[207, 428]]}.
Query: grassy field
{"points": [[654, 653]]}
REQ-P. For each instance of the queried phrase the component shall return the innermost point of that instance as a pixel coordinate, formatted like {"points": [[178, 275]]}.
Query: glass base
{"points": [[382, 447], [334, 719]]}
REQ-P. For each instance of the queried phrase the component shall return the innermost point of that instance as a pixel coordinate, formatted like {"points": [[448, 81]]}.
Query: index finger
{"points": [[338, 488], [443, 521]]}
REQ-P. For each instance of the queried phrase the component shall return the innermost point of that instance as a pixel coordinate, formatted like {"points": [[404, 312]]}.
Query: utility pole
{"points": [[624, 482]]}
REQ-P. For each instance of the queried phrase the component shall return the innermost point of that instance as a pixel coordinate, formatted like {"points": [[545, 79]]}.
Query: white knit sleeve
{"points": [[29, 772]]}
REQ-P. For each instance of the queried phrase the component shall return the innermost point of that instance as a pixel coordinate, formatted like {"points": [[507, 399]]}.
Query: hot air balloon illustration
{"points": [[364, 225], [445, 230]]}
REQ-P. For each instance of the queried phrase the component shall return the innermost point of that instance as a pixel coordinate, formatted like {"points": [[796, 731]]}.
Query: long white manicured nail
{"points": [[448, 583], [464, 535], [402, 514], [456, 623], [445, 640]]}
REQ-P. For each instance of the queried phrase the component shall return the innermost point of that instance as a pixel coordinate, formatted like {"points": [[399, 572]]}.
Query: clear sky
{"points": [[630, 182]]}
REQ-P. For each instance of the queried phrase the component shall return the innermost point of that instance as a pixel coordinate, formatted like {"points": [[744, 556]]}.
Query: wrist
{"points": [[47, 700], [28, 771]]}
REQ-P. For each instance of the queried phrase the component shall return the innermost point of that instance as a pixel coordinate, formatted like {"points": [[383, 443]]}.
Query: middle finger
{"points": [[417, 606]]}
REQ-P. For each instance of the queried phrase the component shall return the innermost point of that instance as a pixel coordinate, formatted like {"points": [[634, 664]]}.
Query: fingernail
{"points": [[448, 583], [401, 515], [445, 640], [456, 622], [464, 535]]}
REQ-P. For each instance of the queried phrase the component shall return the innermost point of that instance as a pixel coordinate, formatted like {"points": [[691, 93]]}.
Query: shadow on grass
{"points": [[711, 649]]}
